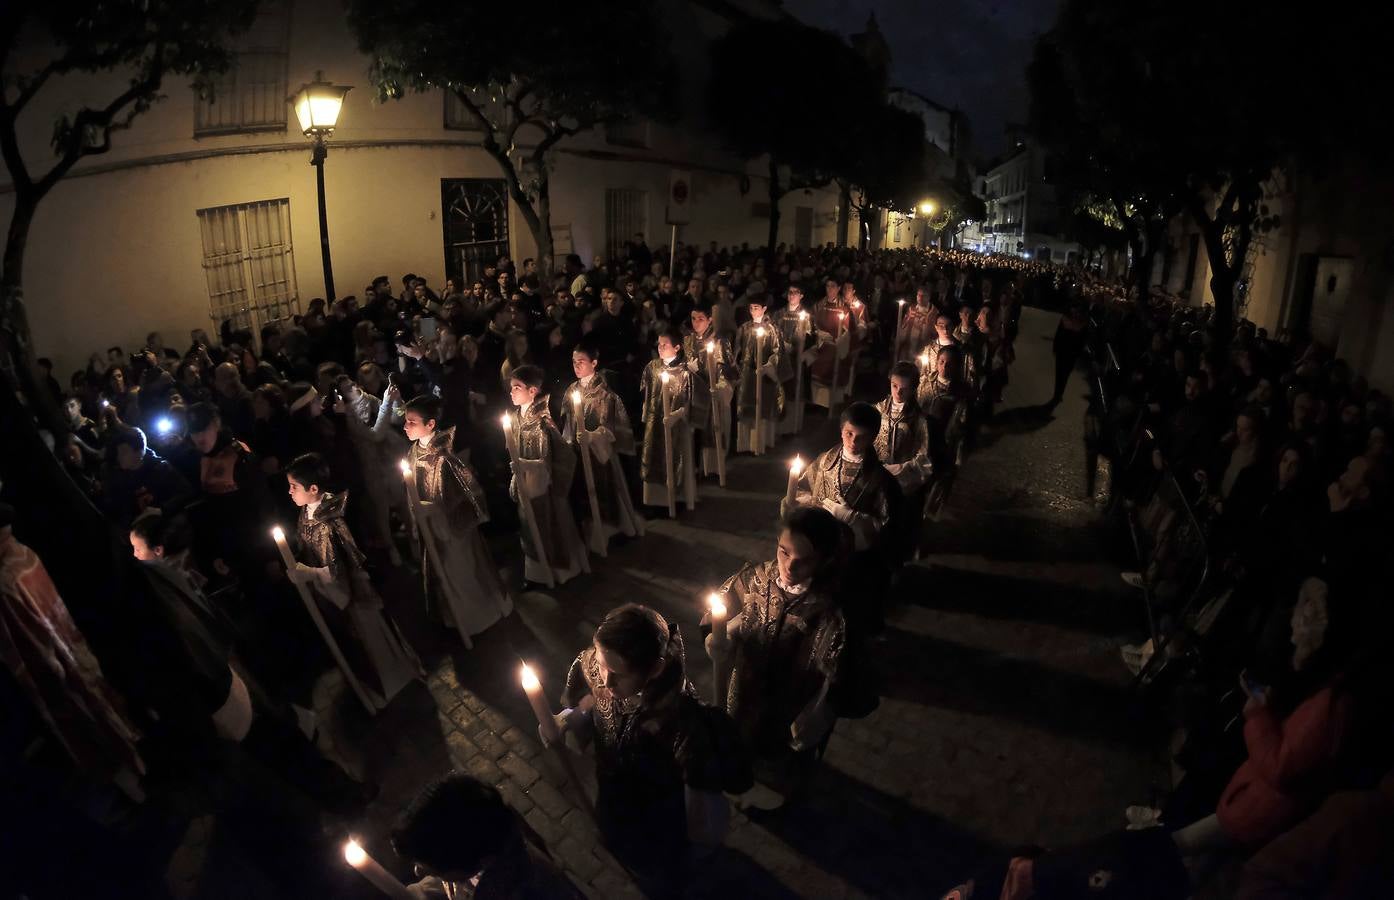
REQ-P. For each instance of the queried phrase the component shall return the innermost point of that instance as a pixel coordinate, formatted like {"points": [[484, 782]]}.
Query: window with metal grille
{"points": [[460, 117], [251, 94], [625, 215], [249, 264]]}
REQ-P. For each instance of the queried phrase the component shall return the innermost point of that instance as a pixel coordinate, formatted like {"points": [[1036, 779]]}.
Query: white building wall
{"points": [[115, 249]]}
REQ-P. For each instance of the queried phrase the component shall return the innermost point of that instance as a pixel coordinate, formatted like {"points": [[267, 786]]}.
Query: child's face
{"points": [[582, 364], [856, 441], [417, 428], [901, 389], [520, 393], [301, 495], [142, 550]]}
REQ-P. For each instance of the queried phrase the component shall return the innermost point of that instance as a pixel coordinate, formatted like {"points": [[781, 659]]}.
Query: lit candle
{"points": [[924, 360], [370, 869], [798, 370], [720, 650], [668, 446], [837, 364], [720, 639], [795, 470], [899, 321], [576, 405], [597, 534], [719, 438], [279, 536], [758, 435], [533, 688]]}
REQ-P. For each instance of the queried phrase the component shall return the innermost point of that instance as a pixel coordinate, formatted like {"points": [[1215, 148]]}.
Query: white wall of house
{"points": [[116, 249], [1339, 224]]}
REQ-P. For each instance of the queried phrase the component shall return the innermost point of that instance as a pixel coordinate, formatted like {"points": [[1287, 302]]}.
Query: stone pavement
{"points": [[1004, 717]]}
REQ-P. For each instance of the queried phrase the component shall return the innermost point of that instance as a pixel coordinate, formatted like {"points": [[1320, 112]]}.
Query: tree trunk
{"points": [[775, 193], [17, 239], [539, 227], [873, 227], [543, 234], [844, 212], [1224, 276]]}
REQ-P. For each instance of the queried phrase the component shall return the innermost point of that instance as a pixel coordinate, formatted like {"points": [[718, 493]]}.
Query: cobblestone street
{"points": [[1003, 718]]}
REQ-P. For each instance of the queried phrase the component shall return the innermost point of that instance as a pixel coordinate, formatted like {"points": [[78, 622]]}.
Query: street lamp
{"points": [[317, 106], [927, 208]]}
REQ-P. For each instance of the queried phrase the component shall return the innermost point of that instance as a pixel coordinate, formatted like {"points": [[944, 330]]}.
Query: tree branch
{"points": [[75, 140]]}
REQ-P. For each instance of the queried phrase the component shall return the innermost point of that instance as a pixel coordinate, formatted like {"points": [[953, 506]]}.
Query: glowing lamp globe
{"points": [[317, 106]]}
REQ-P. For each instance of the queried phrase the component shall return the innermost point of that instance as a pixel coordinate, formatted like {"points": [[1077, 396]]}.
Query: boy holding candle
{"points": [[462, 584], [599, 425], [544, 465], [654, 742], [668, 409], [902, 443], [762, 358], [701, 364], [841, 320], [331, 565], [848, 480], [903, 446], [795, 325], [787, 640]]}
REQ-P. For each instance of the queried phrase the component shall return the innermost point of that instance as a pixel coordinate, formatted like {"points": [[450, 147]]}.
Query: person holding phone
{"points": [[1294, 731]]}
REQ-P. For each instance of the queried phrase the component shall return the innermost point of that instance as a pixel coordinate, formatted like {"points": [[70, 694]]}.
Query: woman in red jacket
{"points": [[1281, 781]]}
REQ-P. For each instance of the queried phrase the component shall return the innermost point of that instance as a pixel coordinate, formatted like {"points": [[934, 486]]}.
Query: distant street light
{"points": [[317, 106], [927, 208]]}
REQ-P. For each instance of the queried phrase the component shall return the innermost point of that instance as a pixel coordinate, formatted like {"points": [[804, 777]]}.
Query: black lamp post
{"points": [[317, 106]]}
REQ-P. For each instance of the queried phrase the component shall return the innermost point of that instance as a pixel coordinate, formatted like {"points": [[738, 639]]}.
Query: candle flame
{"points": [[354, 854], [665, 376], [803, 315], [529, 678], [760, 332], [924, 359], [718, 608], [901, 301], [277, 534], [507, 420], [576, 397], [842, 315], [711, 346], [404, 466], [796, 466]]}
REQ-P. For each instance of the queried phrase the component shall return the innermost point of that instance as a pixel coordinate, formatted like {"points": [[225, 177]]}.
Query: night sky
{"points": [[966, 53]]}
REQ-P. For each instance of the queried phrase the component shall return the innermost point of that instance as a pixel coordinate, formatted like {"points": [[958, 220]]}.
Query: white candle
{"points": [[795, 470], [720, 649], [668, 446], [899, 321], [279, 537], [718, 610], [533, 688], [380, 878], [758, 438]]}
